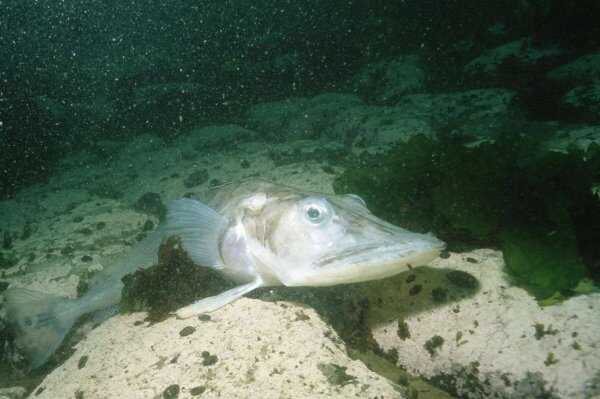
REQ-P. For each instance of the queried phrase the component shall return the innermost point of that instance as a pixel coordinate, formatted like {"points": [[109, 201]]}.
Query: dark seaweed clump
{"points": [[537, 206], [171, 284]]}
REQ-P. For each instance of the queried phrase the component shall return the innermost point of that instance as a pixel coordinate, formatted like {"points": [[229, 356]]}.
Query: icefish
{"points": [[256, 233]]}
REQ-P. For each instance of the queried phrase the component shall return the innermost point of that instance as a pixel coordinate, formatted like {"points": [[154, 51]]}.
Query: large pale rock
{"points": [[495, 342], [248, 349]]}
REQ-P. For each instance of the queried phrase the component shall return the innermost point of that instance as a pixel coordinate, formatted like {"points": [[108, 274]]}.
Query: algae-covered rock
{"points": [[543, 264]]}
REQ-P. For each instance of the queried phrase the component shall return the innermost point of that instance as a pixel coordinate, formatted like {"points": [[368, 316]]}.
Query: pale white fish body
{"points": [[256, 233]]}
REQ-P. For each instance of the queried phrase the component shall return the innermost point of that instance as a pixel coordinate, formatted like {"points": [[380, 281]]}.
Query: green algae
{"points": [[543, 264]]}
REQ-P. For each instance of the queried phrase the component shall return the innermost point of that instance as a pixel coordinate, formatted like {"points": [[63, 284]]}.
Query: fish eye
{"points": [[316, 210], [313, 214]]}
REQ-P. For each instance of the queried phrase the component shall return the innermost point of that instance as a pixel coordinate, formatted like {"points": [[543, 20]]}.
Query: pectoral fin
{"points": [[213, 303], [199, 228]]}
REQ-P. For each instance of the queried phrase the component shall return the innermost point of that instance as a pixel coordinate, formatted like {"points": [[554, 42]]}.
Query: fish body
{"points": [[256, 233]]}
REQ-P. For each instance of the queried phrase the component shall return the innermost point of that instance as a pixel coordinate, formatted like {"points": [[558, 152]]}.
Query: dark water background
{"points": [[72, 72]]}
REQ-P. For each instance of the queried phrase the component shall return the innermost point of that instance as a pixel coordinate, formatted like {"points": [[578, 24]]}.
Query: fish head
{"points": [[320, 240]]}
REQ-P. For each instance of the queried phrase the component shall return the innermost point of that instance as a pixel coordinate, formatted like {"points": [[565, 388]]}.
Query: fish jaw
{"points": [[376, 260]]}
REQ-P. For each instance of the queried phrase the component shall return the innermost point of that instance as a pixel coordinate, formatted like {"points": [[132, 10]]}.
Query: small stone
{"points": [[189, 330], [82, 362], [208, 359], [199, 390], [172, 392]]}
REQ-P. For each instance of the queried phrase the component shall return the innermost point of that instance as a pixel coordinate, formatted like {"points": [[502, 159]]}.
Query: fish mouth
{"points": [[375, 260], [403, 249]]}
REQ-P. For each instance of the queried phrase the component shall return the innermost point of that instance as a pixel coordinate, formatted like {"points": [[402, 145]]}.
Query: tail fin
{"points": [[40, 321]]}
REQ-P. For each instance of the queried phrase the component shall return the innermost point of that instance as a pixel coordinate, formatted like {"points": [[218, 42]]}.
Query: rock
{"points": [[480, 113], [377, 128], [250, 346], [489, 344], [584, 101], [521, 53], [301, 118], [385, 82], [582, 138], [583, 69]]}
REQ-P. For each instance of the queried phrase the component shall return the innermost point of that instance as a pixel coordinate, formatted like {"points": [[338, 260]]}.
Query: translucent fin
{"points": [[40, 320], [213, 303], [199, 228]]}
